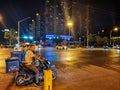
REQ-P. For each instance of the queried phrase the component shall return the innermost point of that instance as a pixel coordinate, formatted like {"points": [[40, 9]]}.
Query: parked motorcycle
{"points": [[26, 76]]}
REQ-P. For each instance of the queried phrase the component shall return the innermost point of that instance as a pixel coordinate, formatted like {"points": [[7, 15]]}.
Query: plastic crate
{"points": [[12, 64], [17, 54]]}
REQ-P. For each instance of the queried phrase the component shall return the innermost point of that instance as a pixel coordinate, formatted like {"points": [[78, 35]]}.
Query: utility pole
{"points": [[87, 25]]}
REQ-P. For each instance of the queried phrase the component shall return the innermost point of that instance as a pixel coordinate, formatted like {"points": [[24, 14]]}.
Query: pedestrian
{"points": [[1, 45]]}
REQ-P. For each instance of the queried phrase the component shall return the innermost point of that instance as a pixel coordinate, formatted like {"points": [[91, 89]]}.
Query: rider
{"points": [[27, 48], [28, 58]]}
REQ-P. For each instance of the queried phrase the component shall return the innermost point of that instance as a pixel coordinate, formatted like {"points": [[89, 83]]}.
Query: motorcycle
{"points": [[25, 76]]}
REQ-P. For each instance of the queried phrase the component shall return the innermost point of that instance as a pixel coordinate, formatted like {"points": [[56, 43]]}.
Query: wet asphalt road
{"points": [[78, 56], [85, 69], [80, 69]]}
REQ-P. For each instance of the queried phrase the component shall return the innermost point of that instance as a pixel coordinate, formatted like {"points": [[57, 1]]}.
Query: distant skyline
{"points": [[15, 10]]}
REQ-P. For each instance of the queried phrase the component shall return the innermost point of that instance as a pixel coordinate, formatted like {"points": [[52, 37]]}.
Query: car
{"points": [[72, 45], [21, 46], [17, 48], [38, 47], [117, 47], [108, 47], [60, 47]]}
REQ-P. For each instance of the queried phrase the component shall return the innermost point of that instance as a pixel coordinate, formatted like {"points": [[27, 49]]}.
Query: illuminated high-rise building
{"points": [[38, 31], [54, 17], [32, 29], [86, 19]]}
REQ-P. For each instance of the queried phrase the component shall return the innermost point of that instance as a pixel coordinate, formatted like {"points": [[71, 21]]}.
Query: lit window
{"points": [[47, 1], [59, 13], [51, 16], [56, 5]]}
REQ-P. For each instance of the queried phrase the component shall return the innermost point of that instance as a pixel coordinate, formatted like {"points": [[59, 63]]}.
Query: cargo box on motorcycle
{"points": [[18, 54], [12, 64]]}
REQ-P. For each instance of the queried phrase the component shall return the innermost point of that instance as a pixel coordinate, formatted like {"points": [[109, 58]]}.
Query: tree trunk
{"points": [[10, 42]]}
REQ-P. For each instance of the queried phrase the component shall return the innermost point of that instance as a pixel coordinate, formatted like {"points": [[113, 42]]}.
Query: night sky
{"points": [[14, 10]]}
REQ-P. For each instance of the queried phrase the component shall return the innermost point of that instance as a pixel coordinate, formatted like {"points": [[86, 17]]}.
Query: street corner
{"points": [[28, 87], [5, 77], [6, 81]]}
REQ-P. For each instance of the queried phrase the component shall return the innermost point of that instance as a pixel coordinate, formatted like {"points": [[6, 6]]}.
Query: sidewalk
{"points": [[7, 83], [7, 79]]}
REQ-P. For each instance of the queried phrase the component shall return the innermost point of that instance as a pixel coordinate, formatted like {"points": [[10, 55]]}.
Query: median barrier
{"points": [[47, 80]]}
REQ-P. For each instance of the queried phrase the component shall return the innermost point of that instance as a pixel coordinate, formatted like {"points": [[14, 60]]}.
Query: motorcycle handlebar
{"points": [[23, 62]]}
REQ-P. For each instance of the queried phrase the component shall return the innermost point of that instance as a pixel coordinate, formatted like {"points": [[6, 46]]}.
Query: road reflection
{"points": [[49, 53], [95, 57], [118, 51]]}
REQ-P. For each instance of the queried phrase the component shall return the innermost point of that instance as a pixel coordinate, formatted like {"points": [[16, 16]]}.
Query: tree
{"points": [[91, 40], [105, 40], [98, 39], [115, 40], [11, 36], [6, 35], [101, 41]]}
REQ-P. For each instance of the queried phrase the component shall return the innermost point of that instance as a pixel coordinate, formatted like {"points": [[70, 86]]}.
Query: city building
{"points": [[32, 29], [85, 19], [37, 28], [54, 18], [38, 31]]}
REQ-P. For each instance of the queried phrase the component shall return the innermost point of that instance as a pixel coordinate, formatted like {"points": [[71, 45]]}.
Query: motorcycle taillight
{"points": [[17, 73]]}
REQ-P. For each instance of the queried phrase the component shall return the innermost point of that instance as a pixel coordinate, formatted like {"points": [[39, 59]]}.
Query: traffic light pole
{"points": [[19, 28]]}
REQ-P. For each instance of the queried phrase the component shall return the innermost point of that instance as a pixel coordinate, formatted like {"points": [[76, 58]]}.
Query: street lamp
{"points": [[69, 25], [115, 29], [19, 28], [1, 18]]}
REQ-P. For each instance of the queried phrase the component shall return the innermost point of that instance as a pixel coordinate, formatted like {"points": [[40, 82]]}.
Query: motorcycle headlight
{"points": [[53, 67], [48, 62]]}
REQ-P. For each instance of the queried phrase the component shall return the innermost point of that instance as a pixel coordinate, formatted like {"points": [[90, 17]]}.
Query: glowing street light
{"points": [[1, 18], [69, 25], [115, 29], [33, 20], [37, 14]]}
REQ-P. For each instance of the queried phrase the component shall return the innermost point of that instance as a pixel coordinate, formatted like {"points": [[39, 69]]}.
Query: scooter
{"points": [[25, 76]]}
